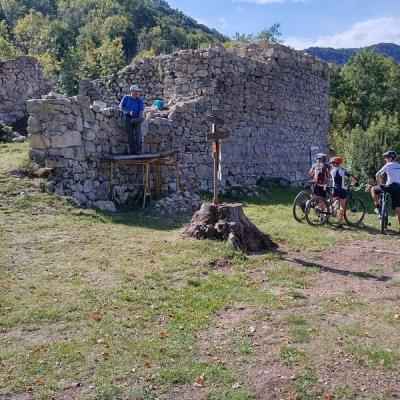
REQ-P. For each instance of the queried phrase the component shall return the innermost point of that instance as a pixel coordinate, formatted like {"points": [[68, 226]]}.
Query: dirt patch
{"points": [[351, 287], [222, 265]]}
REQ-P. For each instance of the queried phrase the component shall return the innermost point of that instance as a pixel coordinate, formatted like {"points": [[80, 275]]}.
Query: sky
{"points": [[304, 23]]}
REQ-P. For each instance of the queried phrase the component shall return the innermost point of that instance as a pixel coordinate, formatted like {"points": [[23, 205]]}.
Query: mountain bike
{"points": [[300, 202], [319, 210], [384, 214]]}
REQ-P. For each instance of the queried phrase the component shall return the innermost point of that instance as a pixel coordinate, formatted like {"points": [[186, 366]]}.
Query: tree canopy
{"points": [[75, 39], [365, 100]]}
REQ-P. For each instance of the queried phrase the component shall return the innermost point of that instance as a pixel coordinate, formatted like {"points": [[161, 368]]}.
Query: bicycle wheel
{"points": [[354, 212], [317, 211], [299, 205], [384, 216]]}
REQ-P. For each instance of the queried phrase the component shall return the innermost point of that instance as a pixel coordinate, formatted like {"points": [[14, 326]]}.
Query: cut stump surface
{"points": [[228, 222]]}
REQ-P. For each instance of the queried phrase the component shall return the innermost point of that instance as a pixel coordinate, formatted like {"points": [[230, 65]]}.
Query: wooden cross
{"points": [[216, 135]]}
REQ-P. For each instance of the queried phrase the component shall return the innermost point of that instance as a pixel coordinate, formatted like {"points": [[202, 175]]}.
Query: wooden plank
{"points": [[217, 135]]}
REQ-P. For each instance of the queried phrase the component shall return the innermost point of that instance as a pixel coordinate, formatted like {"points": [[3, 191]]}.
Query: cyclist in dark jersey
{"points": [[319, 173], [339, 177]]}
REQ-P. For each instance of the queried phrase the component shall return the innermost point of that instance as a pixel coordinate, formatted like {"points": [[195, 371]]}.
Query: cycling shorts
{"points": [[339, 192], [319, 191], [394, 190]]}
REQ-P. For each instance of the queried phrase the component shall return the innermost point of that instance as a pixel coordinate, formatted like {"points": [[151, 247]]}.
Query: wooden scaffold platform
{"points": [[147, 162]]}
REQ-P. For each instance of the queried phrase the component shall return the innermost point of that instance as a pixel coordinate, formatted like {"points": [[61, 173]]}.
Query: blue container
{"points": [[159, 104]]}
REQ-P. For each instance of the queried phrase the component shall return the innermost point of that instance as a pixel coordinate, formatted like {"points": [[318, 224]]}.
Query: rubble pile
{"points": [[178, 203]]}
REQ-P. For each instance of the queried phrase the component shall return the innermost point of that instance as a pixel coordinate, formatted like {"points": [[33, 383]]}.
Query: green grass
{"points": [[344, 392], [374, 356], [293, 355], [118, 303]]}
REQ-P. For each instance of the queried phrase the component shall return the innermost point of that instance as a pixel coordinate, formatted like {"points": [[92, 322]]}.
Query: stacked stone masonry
{"points": [[275, 103], [20, 79]]}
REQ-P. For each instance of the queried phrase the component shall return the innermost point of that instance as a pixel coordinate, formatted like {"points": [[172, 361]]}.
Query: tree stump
{"points": [[228, 222]]}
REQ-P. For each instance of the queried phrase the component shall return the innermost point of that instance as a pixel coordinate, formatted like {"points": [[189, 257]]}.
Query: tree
{"points": [[366, 88], [365, 147], [268, 35], [7, 49]]}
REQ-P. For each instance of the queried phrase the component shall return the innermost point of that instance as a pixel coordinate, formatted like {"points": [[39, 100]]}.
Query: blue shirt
{"points": [[136, 106]]}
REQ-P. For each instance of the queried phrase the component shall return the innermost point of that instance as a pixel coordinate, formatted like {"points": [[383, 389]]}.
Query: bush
{"points": [[364, 154], [5, 133]]}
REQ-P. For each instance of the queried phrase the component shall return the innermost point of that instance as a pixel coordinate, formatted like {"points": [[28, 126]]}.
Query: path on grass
{"points": [[341, 339]]}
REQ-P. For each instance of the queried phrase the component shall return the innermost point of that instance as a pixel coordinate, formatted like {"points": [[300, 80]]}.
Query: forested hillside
{"points": [[75, 39], [342, 56]]}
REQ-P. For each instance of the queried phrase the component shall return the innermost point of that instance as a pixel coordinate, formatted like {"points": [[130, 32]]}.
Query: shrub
{"points": [[364, 154], [5, 133]]}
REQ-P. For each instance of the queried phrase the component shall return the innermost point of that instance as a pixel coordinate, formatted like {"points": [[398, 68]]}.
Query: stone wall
{"points": [[73, 138], [274, 99], [20, 79]]}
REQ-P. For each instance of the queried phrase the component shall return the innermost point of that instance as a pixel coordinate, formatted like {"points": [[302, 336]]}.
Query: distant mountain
{"points": [[341, 56]]}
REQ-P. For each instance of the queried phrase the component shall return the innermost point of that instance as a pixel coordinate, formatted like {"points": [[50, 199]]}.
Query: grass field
{"points": [[101, 306]]}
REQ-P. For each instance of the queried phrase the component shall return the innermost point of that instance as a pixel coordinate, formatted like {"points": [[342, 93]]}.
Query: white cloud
{"points": [[271, 1], [365, 33], [200, 21], [223, 21]]}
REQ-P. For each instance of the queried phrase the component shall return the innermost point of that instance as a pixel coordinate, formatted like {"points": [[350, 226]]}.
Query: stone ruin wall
{"points": [[275, 102], [21, 79], [71, 137]]}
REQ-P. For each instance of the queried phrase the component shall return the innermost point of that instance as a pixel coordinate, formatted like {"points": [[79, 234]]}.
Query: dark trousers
{"points": [[134, 132]]}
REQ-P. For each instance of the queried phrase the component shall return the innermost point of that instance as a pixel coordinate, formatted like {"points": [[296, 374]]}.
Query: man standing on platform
{"points": [[132, 106]]}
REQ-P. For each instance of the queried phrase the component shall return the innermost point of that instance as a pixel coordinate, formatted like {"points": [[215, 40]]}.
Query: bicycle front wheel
{"points": [[299, 206], [384, 216], [354, 212], [317, 211]]}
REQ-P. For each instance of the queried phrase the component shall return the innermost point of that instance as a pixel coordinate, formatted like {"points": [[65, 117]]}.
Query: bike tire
{"points": [[299, 205], [317, 211], [384, 217], [354, 212]]}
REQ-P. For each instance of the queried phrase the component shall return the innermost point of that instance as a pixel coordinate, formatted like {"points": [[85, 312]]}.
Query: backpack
{"points": [[320, 174]]}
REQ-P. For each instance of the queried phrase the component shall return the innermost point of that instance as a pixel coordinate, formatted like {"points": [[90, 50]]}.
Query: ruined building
{"points": [[275, 104], [20, 79]]}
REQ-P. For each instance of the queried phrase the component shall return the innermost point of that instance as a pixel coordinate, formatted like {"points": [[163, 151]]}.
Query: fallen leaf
{"points": [[29, 390], [163, 335], [40, 382], [329, 397], [95, 316], [199, 382], [397, 316]]}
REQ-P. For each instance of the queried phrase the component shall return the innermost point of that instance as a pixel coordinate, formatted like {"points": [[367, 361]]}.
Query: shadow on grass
{"points": [[145, 219], [324, 268]]}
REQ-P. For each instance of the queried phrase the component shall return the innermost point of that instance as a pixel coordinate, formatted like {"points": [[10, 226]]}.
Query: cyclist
{"points": [[340, 176], [392, 171], [319, 173]]}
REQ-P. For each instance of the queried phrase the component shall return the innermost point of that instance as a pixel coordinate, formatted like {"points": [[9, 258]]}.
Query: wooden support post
{"points": [[111, 194], [147, 184], [158, 179], [215, 146]]}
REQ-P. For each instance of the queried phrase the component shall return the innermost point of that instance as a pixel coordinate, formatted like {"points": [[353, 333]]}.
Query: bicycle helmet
{"points": [[336, 160], [321, 156], [390, 153]]}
